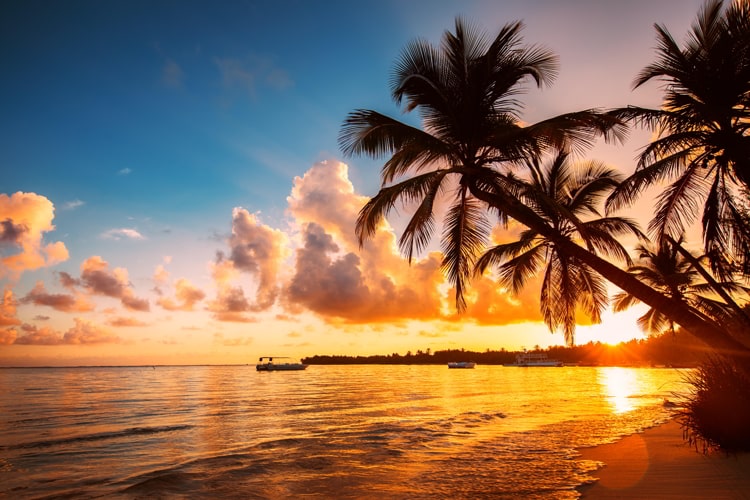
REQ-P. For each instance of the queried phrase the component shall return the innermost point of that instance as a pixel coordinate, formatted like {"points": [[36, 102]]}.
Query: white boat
{"points": [[276, 363], [461, 364], [535, 359]]}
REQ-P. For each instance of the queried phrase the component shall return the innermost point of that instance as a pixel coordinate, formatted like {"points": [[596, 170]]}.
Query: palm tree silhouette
{"points": [[565, 197], [703, 146], [466, 92], [666, 268]]}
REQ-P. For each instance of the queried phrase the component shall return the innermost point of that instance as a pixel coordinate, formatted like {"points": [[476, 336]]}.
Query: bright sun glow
{"points": [[618, 385], [614, 328]]}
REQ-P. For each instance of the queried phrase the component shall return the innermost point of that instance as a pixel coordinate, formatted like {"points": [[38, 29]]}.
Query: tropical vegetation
{"points": [[474, 151]]}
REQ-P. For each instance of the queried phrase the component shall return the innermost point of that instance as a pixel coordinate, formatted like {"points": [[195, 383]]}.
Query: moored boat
{"points": [[276, 363], [461, 364], [535, 359]]}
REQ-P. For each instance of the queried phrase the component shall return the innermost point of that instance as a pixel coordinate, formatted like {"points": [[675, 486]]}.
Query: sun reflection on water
{"points": [[619, 385]]}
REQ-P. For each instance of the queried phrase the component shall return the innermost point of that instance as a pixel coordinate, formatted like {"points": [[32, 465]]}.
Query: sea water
{"points": [[370, 431]]}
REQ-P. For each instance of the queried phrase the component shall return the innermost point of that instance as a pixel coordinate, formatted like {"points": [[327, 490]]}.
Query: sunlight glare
{"points": [[618, 386]]}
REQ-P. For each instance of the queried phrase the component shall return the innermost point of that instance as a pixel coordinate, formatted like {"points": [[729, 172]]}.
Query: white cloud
{"points": [[119, 233], [72, 205], [124, 171]]}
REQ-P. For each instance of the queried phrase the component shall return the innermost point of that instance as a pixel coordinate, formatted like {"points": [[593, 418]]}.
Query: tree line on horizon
{"points": [[473, 150], [674, 350]]}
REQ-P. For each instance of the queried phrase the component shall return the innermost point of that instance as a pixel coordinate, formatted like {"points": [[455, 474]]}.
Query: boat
{"points": [[535, 359], [461, 364], [277, 363]]}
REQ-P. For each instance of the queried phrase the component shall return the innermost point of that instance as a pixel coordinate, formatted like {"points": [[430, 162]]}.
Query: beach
{"points": [[658, 463]]}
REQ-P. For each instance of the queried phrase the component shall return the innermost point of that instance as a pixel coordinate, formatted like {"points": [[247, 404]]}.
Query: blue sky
{"points": [[148, 124]]}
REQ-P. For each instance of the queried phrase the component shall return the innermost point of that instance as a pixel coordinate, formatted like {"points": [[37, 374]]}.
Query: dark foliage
{"points": [[717, 412], [675, 350]]}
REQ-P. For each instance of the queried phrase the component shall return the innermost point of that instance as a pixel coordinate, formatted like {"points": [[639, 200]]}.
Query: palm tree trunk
{"points": [[676, 311]]}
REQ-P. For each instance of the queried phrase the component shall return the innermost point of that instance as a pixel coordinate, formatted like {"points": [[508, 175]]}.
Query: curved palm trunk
{"points": [[675, 310]]}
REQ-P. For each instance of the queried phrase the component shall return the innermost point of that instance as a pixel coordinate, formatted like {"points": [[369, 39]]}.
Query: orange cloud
{"points": [[326, 196], [58, 301], [186, 294], [98, 279], [25, 219], [8, 336], [231, 305], [255, 249], [258, 250], [121, 321], [8, 309], [82, 333], [337, 279]]}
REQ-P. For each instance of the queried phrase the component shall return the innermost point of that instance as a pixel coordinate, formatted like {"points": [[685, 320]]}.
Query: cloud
{"points": [[8, 309], [72, 205], [341, 282], [186, 295], [231, 305], [330, 286], [82, 333], [98, 279], [122, 322], [257, 249], [130, 301], [25, 219], [161, 275], [8, 336], [124, 171], [33, 335], [325, 195], [119, 233], [39, 296], [250, 73], [10, 232]]}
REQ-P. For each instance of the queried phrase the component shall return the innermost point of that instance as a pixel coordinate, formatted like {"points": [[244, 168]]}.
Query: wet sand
{"points": [[660, 464]]}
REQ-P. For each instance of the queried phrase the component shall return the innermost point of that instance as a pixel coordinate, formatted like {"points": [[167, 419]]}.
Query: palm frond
{"points": [[380, 205], [513, 273], [678, 205], [623, 300], [464, 237], [418, 232]]}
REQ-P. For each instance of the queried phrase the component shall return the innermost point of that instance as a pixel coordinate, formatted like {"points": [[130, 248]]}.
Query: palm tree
{"points": [[666, 268], [466, 92], [563, 196], [703, 145]]}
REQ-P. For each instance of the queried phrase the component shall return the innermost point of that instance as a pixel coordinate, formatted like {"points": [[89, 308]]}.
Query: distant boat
{"points": [[276, 363], [461, 364], [535, 359]]}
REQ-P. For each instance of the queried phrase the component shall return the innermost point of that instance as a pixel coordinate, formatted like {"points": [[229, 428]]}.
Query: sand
{"points": [[660, 464]]}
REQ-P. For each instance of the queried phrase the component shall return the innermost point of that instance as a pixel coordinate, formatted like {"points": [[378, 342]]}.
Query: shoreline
{"points": [[658, 463]]}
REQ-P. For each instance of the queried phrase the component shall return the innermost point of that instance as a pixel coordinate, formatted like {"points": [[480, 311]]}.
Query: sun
{"points": [[614, 328]]}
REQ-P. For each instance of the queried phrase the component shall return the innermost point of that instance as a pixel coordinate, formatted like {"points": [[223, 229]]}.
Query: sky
{"points": [[173, 192]]}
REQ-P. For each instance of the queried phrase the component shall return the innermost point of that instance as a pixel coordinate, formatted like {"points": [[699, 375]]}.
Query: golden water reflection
{"points": [[619, 385]]}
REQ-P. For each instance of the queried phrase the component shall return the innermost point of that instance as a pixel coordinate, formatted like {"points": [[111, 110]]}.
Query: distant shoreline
{"points": [[509, 365]]}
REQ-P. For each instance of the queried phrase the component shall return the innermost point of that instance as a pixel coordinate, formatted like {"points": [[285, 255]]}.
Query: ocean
{"points": [[361, 431]]}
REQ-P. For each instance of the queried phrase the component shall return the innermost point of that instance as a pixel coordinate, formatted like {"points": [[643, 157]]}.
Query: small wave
{"points": [[134, 431]]}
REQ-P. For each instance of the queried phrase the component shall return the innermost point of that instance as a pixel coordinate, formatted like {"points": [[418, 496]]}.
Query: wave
{"points": [[100, 436]]}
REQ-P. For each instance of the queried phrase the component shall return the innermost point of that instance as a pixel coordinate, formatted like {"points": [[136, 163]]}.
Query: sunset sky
{"points": [[172, 190]]}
